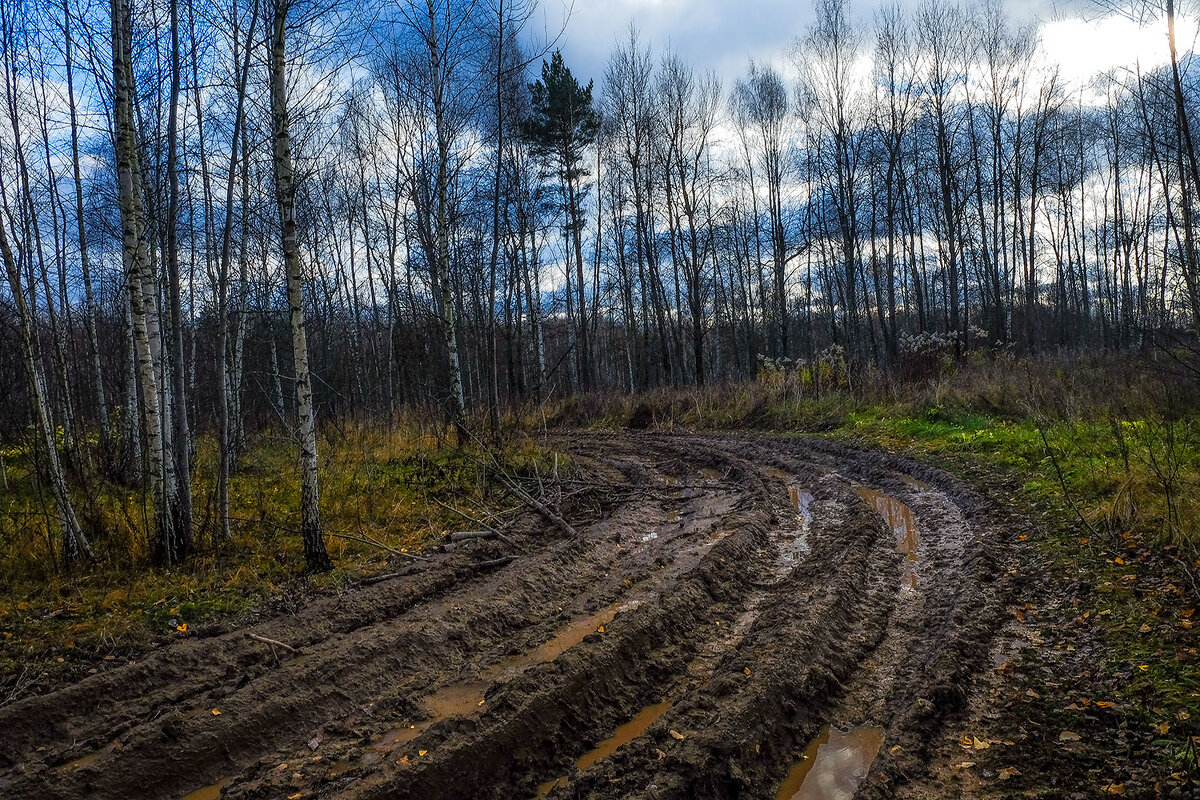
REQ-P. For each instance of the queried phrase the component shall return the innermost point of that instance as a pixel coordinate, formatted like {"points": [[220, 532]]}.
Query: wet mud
{"points": [[740, 617]]}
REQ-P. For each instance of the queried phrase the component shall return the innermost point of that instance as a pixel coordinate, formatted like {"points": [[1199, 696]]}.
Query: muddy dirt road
{"points": [[728, 604]]}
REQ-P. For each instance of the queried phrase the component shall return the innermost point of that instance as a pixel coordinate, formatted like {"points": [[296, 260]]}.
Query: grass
{"points": [[383, 484]]}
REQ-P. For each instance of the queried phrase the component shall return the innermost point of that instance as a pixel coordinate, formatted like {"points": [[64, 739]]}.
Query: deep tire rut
{"points": [[740, 588]]}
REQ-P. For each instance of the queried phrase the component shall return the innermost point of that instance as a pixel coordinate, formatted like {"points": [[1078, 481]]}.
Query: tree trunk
{"points": [[141, 284], [315, 554]]}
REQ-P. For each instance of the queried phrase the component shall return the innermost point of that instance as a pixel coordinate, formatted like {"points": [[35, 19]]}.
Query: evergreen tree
{"points": [[562, 125]]}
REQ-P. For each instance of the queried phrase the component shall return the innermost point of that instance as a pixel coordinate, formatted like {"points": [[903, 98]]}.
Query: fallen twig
{"points": [[1062, 481], [539, 506], [21, 684], [495, 562], [273, 642], [513, 486], [379, 578], [487, 528], [462, 536], [372, 541]]}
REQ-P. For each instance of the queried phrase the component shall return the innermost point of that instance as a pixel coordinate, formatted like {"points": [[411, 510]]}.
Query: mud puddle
{"points": [[833, 765], [800, 498], [801, 501], [90, 758], [621, 737], [899, 518], [795, 545], [210, 792], [464, 697]]}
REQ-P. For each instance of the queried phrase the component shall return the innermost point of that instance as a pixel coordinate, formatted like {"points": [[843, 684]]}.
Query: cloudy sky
{"points": [[724, 34]]}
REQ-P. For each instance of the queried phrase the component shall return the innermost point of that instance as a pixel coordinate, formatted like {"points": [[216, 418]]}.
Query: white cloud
{"points": [[723, 35], [1085, 48]]}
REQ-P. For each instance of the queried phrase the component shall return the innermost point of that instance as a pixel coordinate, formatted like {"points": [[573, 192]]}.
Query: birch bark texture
{"points": [[315, 554], [168, 541]]}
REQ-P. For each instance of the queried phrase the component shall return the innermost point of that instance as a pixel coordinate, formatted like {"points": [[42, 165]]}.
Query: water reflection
{"points": [[833, 765]]}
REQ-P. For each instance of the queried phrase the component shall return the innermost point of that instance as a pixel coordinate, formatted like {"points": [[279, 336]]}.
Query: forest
{"points": [[297, 288], [244, 215]]}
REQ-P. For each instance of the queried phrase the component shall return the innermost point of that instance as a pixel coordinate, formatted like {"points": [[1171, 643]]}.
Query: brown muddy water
{"points": [[210, 792], [464, 697], [833, 765], [621, 737], [90, 758], [899, 518], [795, 545]]}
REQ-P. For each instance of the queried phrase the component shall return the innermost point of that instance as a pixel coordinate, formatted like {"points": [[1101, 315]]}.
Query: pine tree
{"points": [[562, 125]]}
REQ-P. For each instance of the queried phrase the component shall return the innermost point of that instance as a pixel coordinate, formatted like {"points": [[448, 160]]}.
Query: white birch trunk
{"points": [[306, 430]]}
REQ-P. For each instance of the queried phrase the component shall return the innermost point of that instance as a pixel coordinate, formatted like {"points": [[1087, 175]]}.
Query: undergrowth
{"points": [[384, 491]]}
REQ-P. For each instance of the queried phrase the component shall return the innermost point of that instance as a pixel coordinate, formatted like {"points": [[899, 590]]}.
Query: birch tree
{"points": [[170, 537], [315, 555]]}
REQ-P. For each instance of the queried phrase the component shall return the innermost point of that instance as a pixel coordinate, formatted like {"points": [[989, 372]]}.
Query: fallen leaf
{"points": [[1118, 560], [1008, 772], [1113, 788], [296, 796], [677, 734], [1068, 736], [422, 752], [1187, 613], [963, 765], [402, 760], [600, 629], [182, 628], [216, 712], [1162, 729], [746, 670], [1183, 715], [1145, 628]]}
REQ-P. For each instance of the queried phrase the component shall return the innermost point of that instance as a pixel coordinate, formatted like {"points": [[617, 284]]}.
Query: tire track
{"points": [[738, 587]]}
